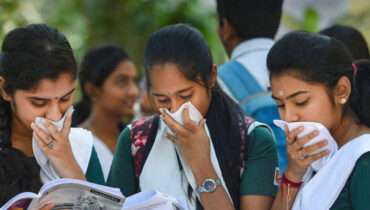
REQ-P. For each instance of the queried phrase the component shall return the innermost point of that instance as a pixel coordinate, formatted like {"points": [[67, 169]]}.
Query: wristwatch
{"points": [[209, 185]]}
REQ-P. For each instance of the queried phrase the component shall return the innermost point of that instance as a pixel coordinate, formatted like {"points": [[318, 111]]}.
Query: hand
{"points": [[191, 138], [298, 157], [57, 148]]}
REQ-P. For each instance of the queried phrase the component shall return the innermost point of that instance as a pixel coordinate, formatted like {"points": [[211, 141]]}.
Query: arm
{"points": [[121, 174], [194, 144], [296, 167], [258, 185]]}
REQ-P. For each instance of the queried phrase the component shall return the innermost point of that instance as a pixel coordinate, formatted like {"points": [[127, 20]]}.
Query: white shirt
{"points": [[252, 54], [105, 155]]}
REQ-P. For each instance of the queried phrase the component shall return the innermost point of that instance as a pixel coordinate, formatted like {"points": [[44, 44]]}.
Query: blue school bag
{"points": [[255, 101]]}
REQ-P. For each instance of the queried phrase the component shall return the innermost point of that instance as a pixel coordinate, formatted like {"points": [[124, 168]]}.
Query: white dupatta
{"points": [[161, 171], [320, 191]]}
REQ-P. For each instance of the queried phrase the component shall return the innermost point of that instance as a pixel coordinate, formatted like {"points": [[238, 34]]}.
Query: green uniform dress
{"points": [[94, 171], [356, 191], [257, 178]]}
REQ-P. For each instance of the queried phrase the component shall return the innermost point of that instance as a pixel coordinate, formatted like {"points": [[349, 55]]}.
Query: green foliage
{"points": [[310, 21], [128, 23]]}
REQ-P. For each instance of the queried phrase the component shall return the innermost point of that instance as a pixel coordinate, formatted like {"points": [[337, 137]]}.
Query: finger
{"points": [[313, 158], [302, 141], [189, 124], [172, 124], [67, 125], [48, 206], [54, 132], [44, 137], [291, 137], [43, 145], [312, 148], [202, 123], [171, 138]]}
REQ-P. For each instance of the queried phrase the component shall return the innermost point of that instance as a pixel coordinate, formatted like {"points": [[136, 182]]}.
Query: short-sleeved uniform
{"points": [[356, 192], [257, 178], [94, 172]]}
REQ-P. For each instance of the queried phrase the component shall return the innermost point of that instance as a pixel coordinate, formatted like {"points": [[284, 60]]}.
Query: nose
{"points": [[175, 105], [133, 91], [54, 112], [290, 115]]}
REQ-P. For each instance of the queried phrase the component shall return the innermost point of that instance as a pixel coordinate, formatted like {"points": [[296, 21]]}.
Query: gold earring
{"points": [[343, 100]]}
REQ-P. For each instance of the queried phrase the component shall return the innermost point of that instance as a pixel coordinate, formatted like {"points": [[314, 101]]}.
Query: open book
{"points": [[81, 195], [69, 194], [150, 199]]}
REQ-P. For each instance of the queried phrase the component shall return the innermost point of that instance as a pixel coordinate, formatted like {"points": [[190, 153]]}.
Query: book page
{"points": [[20, 202], [75, 194], [150, 199]]}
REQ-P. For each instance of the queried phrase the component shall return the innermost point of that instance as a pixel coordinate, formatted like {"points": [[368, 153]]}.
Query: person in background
{"points": [[247, 29], [108, 79], [241, 171], [313, 79], [144, 106], [351, 38], [37, 75]]}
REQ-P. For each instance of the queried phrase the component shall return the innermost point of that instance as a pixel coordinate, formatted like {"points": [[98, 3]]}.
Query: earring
{"points": [[343, 100]]}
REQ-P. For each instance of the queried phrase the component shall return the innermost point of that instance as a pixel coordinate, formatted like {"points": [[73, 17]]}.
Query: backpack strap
{"points": [[238, 79], [244, 131], [143, 133]]}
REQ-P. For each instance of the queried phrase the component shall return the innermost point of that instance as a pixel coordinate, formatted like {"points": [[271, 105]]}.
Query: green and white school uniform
{"points": [[343, 183], [257, 178]]}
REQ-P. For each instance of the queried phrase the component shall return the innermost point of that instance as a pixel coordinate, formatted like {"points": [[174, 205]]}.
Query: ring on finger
{"points": [[301, 157], [51, 144], [175, 134]]}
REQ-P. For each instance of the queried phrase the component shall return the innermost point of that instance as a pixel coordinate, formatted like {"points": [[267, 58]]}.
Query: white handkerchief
{"points": [[323, 134], [81, 144], [194, 114]]}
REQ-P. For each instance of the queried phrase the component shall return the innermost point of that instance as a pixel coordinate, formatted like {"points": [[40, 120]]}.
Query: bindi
{"points": [[281, 93]]}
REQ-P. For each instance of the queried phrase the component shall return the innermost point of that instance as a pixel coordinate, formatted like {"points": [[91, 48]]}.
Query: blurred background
{"points": [[129, 23]]}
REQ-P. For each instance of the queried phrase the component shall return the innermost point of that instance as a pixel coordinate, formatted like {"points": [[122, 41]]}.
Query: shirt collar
{"points": [[251, 45]]}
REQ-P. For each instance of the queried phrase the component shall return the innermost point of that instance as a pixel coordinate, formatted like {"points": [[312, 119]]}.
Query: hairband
{"points": [[355, 69]]}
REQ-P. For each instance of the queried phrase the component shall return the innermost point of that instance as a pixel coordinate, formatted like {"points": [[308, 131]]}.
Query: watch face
{"points": [[209, 185]]}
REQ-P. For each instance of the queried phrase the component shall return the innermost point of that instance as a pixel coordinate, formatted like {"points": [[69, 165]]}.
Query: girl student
{"points": [[313, 79], [226, 162], [37, 74], [108, 82]]}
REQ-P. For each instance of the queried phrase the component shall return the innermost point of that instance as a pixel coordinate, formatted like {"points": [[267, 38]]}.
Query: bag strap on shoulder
{"points": [[143, 133], [239, 80]]}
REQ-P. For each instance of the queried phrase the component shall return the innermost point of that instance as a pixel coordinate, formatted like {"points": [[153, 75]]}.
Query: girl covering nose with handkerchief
{"points": [[202, 149], [37, 76], [321, 93]]}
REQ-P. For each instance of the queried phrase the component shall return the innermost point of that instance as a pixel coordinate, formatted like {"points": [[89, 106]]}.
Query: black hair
{"points": [[17, 174], [251, 18], [360, 95], [186, 48], [321, 59], [29, 54], [351, 38], [97, 64]]}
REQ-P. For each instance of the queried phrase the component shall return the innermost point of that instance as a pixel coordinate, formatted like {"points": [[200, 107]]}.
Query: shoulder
{"points": [[362, 167]]}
